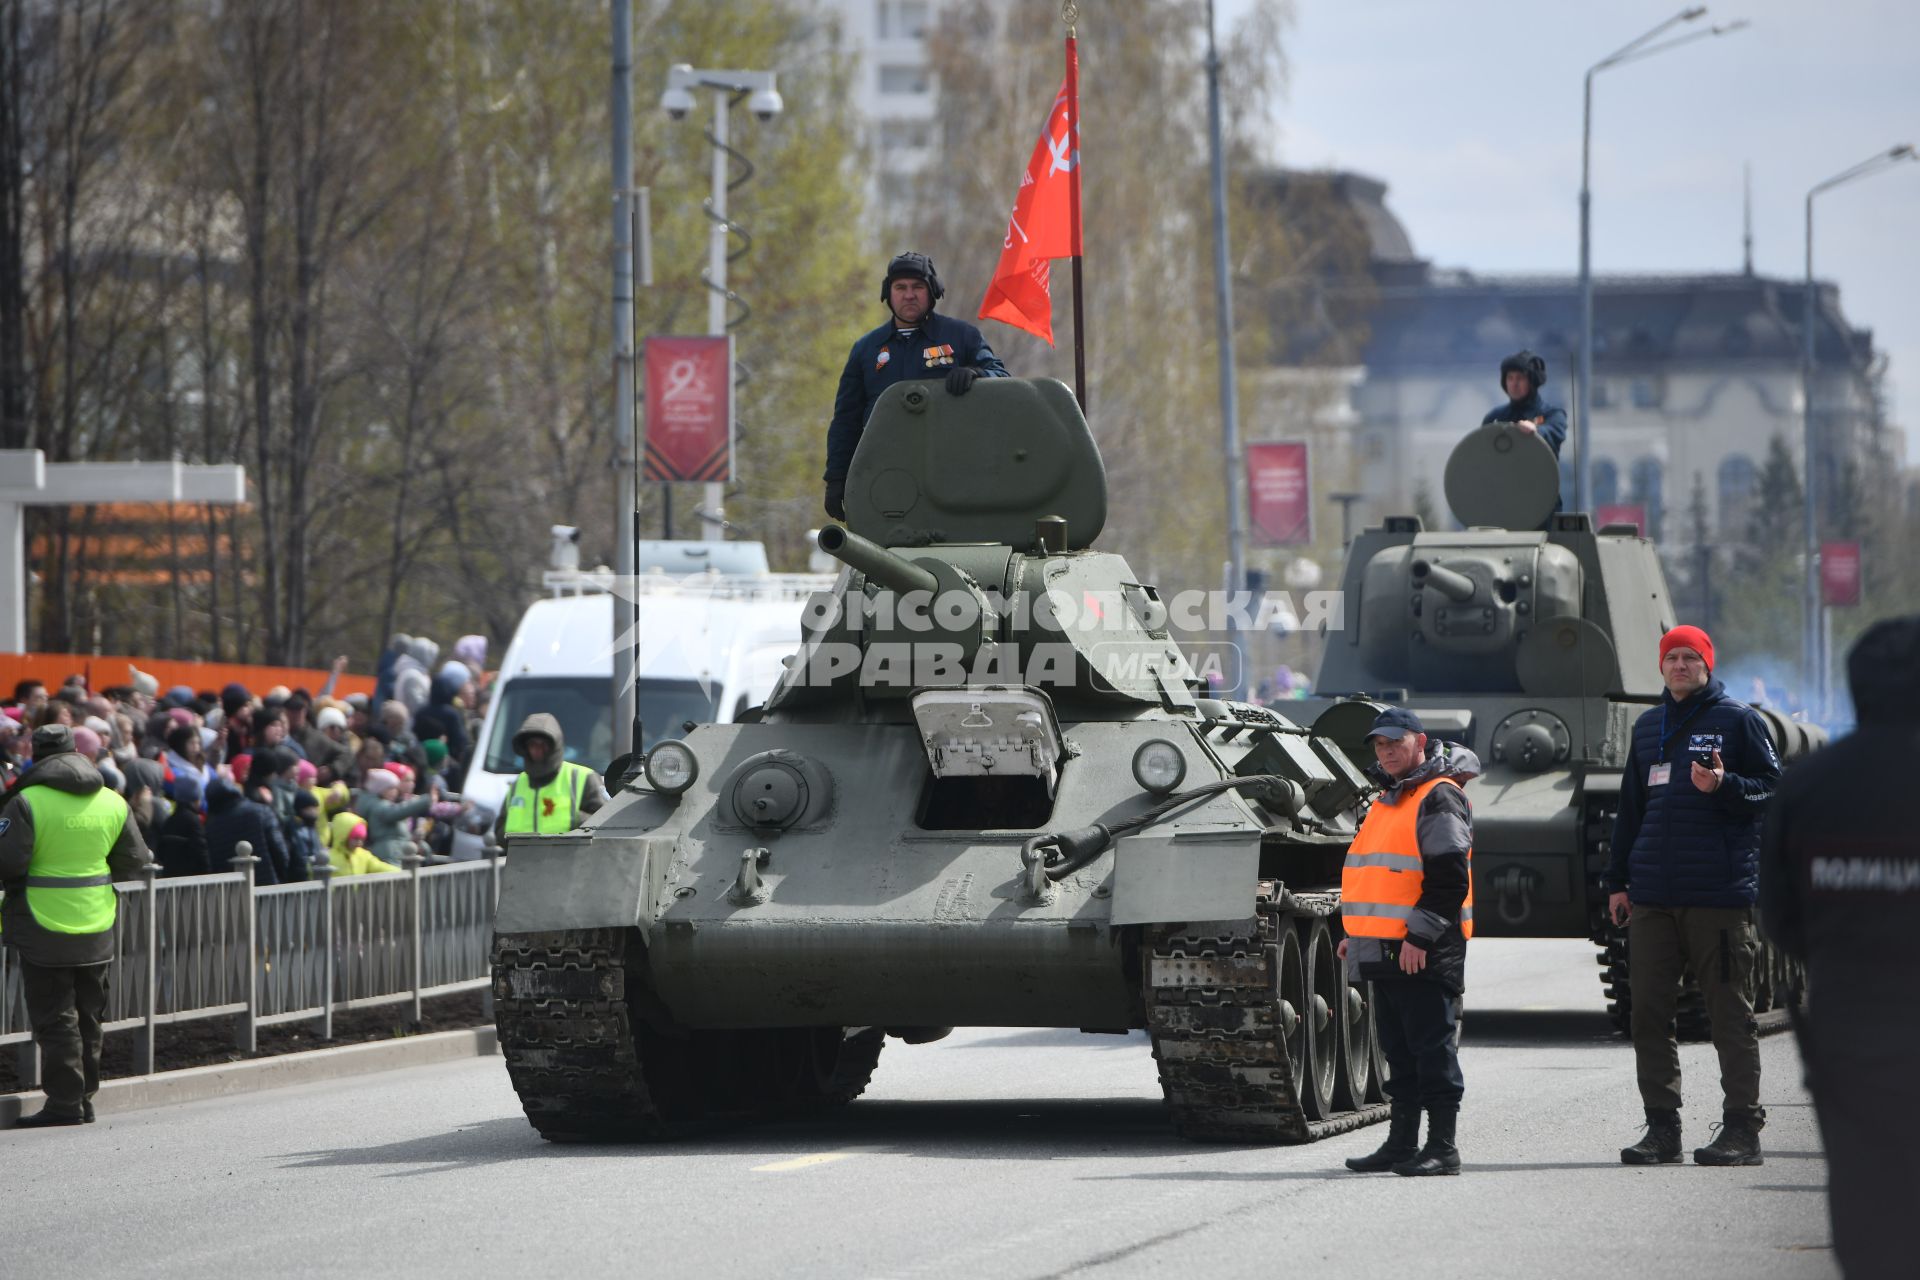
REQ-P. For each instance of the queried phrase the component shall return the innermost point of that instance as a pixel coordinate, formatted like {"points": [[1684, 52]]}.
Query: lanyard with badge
{"points": [[1661, 773]]}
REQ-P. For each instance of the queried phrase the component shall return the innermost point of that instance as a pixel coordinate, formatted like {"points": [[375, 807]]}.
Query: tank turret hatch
{"points": [[1567, 657], [982, 467], [1501, 477]]}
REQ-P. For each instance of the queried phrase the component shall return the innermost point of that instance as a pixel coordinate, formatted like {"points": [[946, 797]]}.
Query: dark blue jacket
{"points": [[1553, 419], [888, 355], [1673, 844]]}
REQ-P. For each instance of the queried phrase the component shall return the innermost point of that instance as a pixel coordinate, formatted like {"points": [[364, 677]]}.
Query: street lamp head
{"points": [[1902, 152], [766, 104], [1728, 28], [1688, 15]]}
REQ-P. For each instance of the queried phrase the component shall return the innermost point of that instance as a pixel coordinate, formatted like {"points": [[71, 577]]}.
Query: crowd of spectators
{"points": [[299, 776]]}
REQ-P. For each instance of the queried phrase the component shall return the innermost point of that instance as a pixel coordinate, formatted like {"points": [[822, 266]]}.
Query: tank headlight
{"points": [[671, 767], [1159, 766]]}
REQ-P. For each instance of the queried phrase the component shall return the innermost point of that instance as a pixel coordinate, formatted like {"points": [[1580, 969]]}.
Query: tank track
{"points": [[1213, 1012], [590, 1067]]}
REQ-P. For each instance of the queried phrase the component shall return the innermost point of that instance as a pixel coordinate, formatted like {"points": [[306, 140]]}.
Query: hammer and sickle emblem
{"points": [[1062, 156]]}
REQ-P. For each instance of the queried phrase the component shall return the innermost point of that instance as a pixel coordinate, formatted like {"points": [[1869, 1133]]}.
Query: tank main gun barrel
{"points": [[874, 560], [1451, 583]]}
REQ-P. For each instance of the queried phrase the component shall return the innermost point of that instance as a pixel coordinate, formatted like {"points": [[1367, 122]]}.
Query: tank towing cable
{"points": [[1053, 856]]}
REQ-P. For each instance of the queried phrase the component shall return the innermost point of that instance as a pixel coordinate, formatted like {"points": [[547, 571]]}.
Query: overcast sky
{"points": [[1470, 111]]}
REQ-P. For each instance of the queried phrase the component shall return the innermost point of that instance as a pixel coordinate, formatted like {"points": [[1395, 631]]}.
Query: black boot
{"points": [[1439, 1158], [86, 1111], [47, 1117], [1662, 1143], [1737, 1144], [1403, 1139]]}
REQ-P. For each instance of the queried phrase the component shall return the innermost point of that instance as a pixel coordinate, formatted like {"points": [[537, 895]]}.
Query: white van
{"points": [[711, 646]]}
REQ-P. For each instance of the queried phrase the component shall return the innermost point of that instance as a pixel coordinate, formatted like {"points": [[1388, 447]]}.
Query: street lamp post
{"points": [[1814, 662], [763, 99], [1632, 52]]}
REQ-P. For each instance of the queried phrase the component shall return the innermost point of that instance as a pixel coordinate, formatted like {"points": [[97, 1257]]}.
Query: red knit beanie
{"points": [[1689, 637]]}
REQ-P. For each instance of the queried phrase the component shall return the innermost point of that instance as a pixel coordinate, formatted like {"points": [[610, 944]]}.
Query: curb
{"points": [[230, 1079]]}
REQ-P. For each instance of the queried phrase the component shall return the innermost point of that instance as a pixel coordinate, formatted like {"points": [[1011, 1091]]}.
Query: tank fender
{"points": [[582, 881]]}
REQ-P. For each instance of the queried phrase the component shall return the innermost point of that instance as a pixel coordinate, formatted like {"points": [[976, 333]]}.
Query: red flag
{"points": [[1046, 218]]}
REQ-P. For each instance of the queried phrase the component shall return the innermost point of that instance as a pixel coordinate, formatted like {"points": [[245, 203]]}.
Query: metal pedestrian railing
{"points": [[217, 946]]}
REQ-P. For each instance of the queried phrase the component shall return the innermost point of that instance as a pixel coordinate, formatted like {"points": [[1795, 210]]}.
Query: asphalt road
{"points": [[995, 1152]]}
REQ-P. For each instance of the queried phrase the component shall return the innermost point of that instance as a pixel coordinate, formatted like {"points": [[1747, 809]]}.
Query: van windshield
{"points": [[583, 706]]}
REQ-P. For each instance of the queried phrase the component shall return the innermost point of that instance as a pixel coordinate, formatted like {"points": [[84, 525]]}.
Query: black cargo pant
{"points": [[1721, 943], [1419, 1022], [65, 1006]]}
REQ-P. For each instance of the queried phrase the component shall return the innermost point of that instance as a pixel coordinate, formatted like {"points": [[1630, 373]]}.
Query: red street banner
{"points": [[1840, 573], [689, 427], [1279, 486], [1632, 513], [1046, 218]]}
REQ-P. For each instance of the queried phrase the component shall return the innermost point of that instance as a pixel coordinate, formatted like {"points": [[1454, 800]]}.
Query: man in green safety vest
{"points": [[64, 839], [553, 793]]}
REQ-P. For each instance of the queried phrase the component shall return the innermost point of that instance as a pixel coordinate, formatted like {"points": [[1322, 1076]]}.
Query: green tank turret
{"points": [[987, 790], [1533, 639]]}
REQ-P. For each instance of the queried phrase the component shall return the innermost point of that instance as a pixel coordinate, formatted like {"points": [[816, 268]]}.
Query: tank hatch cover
{"points": [[1346, 724], [1567, 658], [982, 467], [1502, 477]]}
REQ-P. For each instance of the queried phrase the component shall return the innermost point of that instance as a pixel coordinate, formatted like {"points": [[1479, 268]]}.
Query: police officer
{"points": [[553, 793], [916, 342], [64, 838], [1522, 374], [1406, 899], [1840, 890], [1684, 877]]}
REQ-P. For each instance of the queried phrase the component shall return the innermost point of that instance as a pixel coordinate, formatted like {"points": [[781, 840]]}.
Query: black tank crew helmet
{"points": [[1524, 362], [911, 266]]}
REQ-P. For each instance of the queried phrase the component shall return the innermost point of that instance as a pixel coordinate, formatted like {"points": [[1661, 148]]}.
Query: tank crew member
{"points": [[915, 342], [1406, 899], [64, 839], [553, 794], [1684, 877], [1840, 890], [1522, 374]]}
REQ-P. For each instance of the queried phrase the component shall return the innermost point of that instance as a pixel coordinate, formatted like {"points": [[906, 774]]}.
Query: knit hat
{"points": [[436, 749], [186, 791], [305, 800], [1690, 637], [241, 765], [142, 682], [304, 772], [379, 781], [330, 718]]}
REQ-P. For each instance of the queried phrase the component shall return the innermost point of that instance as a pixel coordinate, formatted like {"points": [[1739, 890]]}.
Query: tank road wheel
{"points": [[1354, 1037], [1294, 1013], [1377, 1086], [1325, 1010], [1612, 941]]}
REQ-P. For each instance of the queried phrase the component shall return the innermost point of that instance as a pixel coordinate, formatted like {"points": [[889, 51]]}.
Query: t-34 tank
{"points": [[1533, 640], [985, 792]]}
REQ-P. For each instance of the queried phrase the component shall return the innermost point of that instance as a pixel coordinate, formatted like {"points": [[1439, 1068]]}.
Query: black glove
{"points": [[837, 498], [960, 379]]}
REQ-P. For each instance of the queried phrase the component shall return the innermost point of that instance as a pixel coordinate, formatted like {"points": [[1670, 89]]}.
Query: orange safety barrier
{"points": [[106, 671]]}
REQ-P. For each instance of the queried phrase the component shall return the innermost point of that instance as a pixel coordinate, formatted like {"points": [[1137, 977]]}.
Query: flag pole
{"points": [[1069, 12]]}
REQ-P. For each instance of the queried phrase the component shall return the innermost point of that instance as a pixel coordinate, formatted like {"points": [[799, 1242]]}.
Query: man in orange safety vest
{"points": [[1406, 901]]}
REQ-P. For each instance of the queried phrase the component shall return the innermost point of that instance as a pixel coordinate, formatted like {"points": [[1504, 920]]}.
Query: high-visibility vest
{"points": [[69, 889], [1381, 880], [547, 810]]}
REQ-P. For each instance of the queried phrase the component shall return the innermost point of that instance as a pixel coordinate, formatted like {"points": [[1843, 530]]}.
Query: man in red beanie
{"points": [[1684, 878]]}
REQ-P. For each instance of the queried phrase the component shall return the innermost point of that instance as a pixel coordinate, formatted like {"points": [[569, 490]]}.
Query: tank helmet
{"points": [[1524, 362], [912, 266]]}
